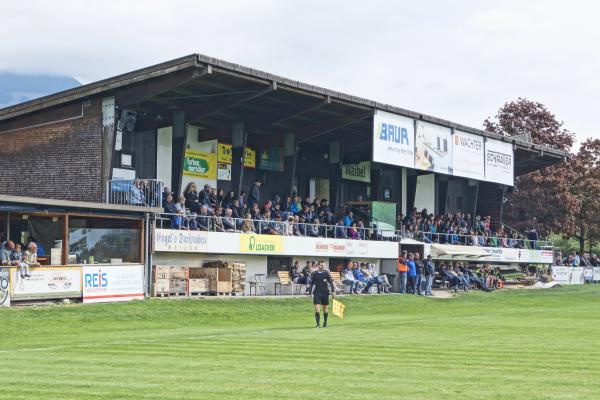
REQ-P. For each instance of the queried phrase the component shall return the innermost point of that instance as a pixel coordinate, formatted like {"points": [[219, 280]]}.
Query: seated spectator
{"points": [[349, 280], [193, 223], [6, 250], [289, 227], [287, 205], [382, 282], [30, 257], [276, 211], [255, 211], [353, 232], [204, 220], [302, 227], [313, 230], [40, 248], [16, 259], [359, 276], [362, 232], [306, 274], [236, 211], [296, 207], [340, 230], [165, 193], [228, 222], [218, 220], [220, 198], [248, 225]]}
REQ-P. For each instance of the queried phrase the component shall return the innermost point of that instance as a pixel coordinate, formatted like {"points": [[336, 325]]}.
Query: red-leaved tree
{"points": [[564, 198]]}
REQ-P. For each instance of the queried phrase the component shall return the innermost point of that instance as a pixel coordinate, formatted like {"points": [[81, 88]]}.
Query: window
{"points": [[98, 240], [275, 264]]}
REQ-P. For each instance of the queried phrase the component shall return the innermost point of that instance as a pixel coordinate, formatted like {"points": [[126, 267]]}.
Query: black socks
{"points": [[318, 318], [325, 315]]}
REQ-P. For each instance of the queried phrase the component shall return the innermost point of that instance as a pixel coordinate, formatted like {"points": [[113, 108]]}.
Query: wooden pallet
{"points": [[170, 294], [199, 294]]}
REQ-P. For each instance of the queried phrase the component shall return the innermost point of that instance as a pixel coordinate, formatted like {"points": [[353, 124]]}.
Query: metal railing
{"points": [[214, 223], [137, 192]]}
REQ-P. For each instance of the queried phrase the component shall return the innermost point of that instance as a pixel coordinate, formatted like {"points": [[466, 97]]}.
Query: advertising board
{"points": [[106, 283], [393, 139]]}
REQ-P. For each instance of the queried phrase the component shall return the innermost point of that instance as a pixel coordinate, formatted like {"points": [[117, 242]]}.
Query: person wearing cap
{"points": [[429, 274]]}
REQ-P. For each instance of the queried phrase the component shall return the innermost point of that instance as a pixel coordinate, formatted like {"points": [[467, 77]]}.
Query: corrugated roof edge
{"points": [[194, 60]]}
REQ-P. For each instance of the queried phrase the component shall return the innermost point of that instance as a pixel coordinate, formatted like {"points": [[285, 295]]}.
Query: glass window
{"points": [[275, 264], [98, 240]]}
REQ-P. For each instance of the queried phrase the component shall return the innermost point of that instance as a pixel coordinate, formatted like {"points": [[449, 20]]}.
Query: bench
{"points": [[285, 280], [336, 277]]}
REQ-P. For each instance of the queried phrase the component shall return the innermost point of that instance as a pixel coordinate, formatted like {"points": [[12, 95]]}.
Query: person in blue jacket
{"points": [[412, 274], [359, 276]]}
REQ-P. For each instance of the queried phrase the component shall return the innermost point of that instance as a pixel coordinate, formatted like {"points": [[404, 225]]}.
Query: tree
{"points": [[529, 117], [563, 198], [541, 199]]}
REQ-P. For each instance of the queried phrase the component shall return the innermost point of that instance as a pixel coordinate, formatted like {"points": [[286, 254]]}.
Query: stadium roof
{"points": [[220, 92]]}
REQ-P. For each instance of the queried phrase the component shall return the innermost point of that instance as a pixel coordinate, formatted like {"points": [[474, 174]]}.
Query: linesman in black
{"points": [[320, 283]]}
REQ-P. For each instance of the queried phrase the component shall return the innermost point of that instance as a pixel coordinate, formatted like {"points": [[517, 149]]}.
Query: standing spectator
{"points": [[228, 200], [254, 193], [190, 195], [348, 218], [136, 193], [178, 221], [306, 273], [353, 232], [412, 274], [402, 271], [429, 274], [420, 272], [533, 238]]}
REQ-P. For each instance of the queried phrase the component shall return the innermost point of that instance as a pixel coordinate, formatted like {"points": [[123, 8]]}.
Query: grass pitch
{"points": [[525, 344]]}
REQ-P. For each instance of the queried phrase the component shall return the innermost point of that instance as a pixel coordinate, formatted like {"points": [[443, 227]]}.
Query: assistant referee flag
{"points": [[338, 308]]}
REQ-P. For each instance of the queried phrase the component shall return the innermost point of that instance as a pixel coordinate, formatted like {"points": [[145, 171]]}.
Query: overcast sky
{"points": [[458, 60]]}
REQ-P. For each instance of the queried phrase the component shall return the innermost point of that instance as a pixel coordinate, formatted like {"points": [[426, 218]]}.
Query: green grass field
{"points": [[509, 344]]}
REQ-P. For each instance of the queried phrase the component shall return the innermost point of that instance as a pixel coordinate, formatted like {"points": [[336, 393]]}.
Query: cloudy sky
{"points": [[459, 60]]}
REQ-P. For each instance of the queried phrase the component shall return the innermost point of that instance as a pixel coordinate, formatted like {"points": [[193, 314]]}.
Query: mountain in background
{"points": [[17, 88]]}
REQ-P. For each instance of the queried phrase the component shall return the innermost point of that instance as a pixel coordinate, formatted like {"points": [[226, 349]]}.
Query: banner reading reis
{"points": [[434, 150], [499, 162], [393, 139], [468, 155]]}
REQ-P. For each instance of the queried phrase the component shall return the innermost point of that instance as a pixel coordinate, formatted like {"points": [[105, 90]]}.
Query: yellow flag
{"points": [[338, 309]]}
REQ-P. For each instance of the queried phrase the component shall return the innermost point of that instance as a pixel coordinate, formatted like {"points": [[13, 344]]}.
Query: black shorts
{"points": [[321, 298]]}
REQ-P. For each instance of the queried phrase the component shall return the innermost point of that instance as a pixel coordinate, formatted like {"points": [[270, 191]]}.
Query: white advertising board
{"points": [[468, 155], [561, 274], [576, 276], [46, 283], [500, 254], [166, 240], [596, 277], [433, 148], [393, 139], [104, 283], [499, 162]]}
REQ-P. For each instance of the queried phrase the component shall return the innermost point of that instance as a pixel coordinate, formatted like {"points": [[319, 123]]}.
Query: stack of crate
{"points": [[162, 275], [238, 276], [199, 282], [231, 275], [178, 281]]}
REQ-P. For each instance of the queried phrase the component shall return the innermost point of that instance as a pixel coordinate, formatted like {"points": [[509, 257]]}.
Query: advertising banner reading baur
{"points": [[393, 139]]}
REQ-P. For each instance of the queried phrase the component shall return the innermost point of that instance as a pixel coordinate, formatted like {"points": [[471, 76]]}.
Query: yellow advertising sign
{"points": [[249, 158], [200, 164], [224, 153], [261, 244]]}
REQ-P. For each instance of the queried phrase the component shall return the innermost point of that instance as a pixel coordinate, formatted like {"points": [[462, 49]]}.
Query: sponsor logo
{"points": [[357, 172], [467, 142], [96, 279], [261, 244], [333, 247], [393, 133], [493, 157]]}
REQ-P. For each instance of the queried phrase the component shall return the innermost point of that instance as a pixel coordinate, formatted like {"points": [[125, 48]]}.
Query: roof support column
{"points": [[179, 147], [108, 143]]}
